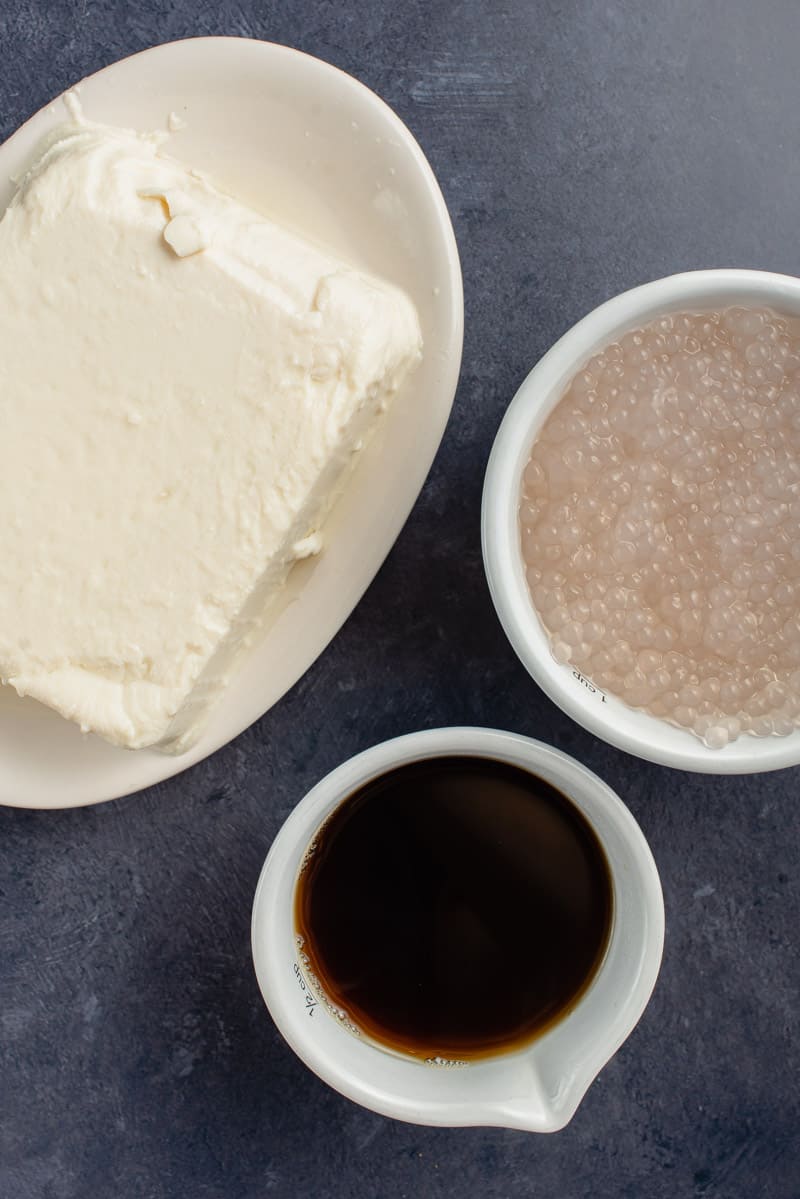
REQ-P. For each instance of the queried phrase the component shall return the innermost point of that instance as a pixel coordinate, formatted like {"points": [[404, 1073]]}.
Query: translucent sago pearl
{"points": [[660, 522]]}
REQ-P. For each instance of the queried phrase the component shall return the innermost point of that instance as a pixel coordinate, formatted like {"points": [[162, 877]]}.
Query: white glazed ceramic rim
{"points": [[537, 1088], [605, 716]]}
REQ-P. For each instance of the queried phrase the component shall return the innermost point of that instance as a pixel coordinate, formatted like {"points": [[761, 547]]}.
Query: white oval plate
{"points": [[303, 142]]}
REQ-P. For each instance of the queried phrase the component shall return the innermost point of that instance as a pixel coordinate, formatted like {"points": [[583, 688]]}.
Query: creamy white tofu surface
{"points": [[183, 385]]}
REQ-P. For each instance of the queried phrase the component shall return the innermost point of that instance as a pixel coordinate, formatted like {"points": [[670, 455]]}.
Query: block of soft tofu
{"points": [[183, 387]]}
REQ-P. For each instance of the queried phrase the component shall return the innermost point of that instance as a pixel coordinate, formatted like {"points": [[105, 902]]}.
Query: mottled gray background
{"points": [[582, 147]]}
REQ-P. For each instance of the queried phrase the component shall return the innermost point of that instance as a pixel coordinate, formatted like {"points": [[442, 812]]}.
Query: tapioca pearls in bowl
{"points": [[657, 521]]}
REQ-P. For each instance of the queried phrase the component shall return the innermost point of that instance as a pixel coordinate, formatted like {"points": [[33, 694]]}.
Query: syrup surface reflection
{"points": [[454, 907]]}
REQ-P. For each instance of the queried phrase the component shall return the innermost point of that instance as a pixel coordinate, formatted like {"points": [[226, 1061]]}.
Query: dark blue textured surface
{"points": [[582, 147]]}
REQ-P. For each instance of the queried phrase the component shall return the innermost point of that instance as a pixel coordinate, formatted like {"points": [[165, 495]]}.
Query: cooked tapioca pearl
{"points": [[593, 632], [664, 638], [596, 590], [559, 617], [716, 736], [603, 662], [544, 599], [534, 477], [661, 526], [581, 652], [581, 610], [529, 512], [561, 651], [572, 632]]}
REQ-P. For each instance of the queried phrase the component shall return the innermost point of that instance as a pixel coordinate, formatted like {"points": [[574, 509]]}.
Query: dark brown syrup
{"points": [[454, 907]]}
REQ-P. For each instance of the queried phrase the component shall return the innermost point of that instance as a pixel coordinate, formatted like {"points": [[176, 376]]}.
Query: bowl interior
{"points": [[638, 733]]}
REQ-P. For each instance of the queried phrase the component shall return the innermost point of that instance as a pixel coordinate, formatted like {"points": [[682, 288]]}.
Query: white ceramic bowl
{"points": [[309, 145], [536, 1088], [607, 717]]}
